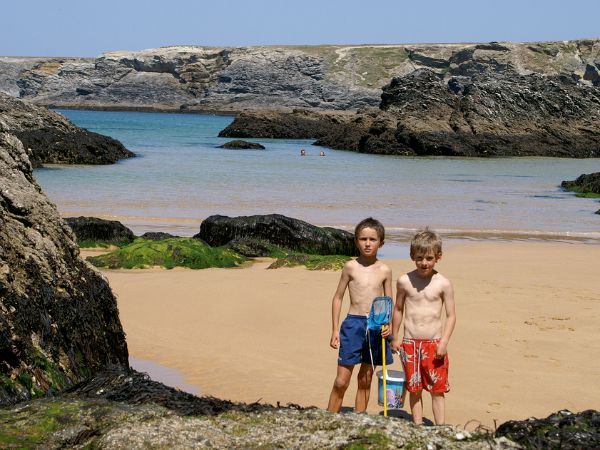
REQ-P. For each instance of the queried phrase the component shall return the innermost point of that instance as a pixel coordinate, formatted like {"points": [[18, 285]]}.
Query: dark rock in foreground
{"points": [[59, 323], [425, 113], [92, 229], [52, 139], [125, 409], [585, 183], [136, 388], [562, 430], [242, 145], [279, 230]]}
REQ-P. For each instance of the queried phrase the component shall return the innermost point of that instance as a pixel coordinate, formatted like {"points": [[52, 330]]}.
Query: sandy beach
{"points": [[525, 343]]}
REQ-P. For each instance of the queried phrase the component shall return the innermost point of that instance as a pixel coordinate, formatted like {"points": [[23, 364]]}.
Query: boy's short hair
{"points": [[369, 222], [424, 241]]}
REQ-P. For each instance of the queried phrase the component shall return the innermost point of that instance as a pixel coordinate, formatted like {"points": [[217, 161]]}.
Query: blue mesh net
{"points": [[381, 312]]}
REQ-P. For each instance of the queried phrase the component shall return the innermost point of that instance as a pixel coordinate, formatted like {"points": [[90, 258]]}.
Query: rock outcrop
{"points": [[242, 145], [324, 77], [92, 229], [426, 113], [585, 183], [59, 322], [50, 138], [278, 230], [561, 430]]}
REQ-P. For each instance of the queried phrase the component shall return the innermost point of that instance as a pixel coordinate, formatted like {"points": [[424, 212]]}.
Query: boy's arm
{"points": [[336, 306], [387, 283], [448, 297], [397, 315]]}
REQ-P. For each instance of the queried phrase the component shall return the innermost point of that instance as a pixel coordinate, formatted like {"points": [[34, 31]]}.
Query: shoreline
{"points": [[525, 313], [187, 227]]}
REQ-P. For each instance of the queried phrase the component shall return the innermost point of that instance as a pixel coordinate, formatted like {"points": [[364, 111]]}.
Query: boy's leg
{"points": [[416, 407], [365, 376], [340, 384], [438, 404]]}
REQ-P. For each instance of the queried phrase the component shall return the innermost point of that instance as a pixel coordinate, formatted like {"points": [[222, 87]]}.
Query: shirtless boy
{"points": [[421, 296], [366, 278]]}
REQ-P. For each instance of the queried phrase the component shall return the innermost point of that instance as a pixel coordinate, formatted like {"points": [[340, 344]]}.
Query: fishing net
{"points": [[381, 313]]}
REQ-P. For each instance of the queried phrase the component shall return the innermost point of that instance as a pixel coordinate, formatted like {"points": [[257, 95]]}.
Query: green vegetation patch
{"points": [[581, 191], [374, 66], [253, 247], [168, 253], [99, 244], [57, 379], [372, 440], [29, 426], [587, 194], [312, 262]]}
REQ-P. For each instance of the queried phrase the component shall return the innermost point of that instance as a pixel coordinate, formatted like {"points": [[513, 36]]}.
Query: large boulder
{"points": [[278, 230], [59, 322], [52, 139], [93, 229]]}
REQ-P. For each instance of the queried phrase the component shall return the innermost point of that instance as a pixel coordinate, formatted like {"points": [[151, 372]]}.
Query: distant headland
{"points": [[231, 79]]}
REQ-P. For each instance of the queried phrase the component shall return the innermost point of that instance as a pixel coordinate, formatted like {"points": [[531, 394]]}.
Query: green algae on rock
{"points": [[312, 262], [168, 253], [585, 185]]}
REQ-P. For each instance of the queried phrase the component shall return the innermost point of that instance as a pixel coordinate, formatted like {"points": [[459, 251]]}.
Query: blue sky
{"points": [[82, 28]]}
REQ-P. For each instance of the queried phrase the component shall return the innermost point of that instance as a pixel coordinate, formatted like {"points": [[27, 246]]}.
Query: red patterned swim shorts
{"points": [[423, 370]]}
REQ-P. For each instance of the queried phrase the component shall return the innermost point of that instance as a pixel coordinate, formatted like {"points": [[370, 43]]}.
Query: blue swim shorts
{"points": [[354, 345]]}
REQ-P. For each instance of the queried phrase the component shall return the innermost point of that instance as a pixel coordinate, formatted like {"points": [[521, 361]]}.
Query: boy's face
{"points": [[425, 262], [368, 242]]}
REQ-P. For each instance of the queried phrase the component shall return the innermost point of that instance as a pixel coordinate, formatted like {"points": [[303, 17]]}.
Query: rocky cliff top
{"points": [[235, 78]]}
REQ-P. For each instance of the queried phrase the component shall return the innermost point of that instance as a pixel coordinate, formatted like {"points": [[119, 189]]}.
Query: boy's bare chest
{"points": [[367, 279], [429, 295]]}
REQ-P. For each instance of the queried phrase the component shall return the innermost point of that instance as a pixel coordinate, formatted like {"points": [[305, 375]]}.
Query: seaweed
{"points": [[168, 253]]}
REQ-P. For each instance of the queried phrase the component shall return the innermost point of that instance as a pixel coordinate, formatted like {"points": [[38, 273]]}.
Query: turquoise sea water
{"points": [[180, 177]]}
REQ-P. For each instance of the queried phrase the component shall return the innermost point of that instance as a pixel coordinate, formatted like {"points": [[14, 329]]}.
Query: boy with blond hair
{"points": [[421, 297], [366, 278]]}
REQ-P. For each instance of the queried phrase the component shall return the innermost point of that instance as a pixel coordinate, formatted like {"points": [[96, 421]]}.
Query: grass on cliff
{"points": [[367, 65], [168, 253]]}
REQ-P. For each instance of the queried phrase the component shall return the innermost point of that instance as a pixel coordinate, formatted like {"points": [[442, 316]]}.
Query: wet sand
{"points": [[524, 344]]}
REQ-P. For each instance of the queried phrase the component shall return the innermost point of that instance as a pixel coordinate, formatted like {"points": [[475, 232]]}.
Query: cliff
{"points": [[197, 78], [59, 322], [490, 113]]}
